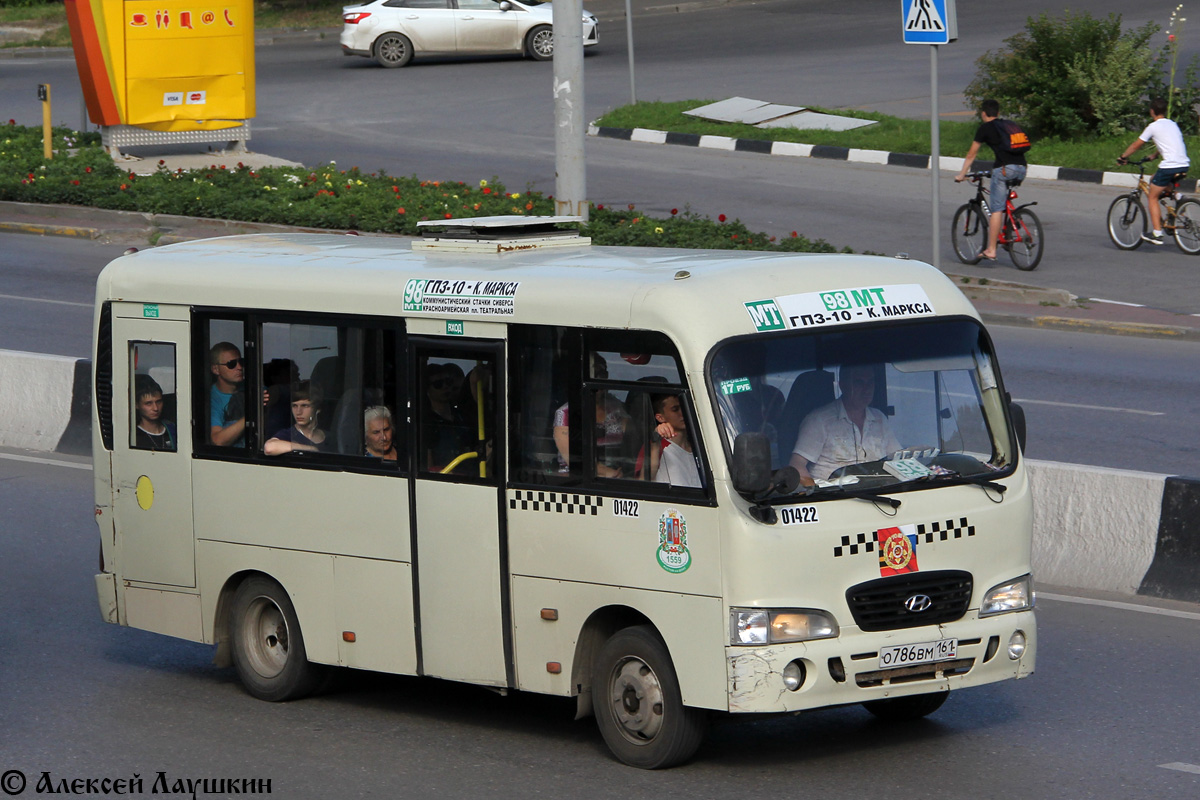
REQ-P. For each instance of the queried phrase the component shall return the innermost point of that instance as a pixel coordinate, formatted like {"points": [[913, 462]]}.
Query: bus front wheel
{"points": [[906, 709], [638, 705], [268, 648]]}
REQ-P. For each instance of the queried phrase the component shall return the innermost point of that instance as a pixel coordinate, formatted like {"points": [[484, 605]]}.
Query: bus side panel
{"points": [[300, 509], [693, 627], [647, 544], [375, 603], [307, 578], [170, 613]]}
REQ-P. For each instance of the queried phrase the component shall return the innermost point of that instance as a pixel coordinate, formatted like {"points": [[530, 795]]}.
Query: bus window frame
{"points": [[252, 320]]}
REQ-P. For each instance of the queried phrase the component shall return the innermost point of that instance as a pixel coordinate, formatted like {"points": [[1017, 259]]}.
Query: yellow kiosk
{"points": [[166, 71]]}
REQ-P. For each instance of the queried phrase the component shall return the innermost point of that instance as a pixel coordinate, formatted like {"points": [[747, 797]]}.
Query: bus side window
{"points": [[152, 397], [225, 377], [545, 448]]}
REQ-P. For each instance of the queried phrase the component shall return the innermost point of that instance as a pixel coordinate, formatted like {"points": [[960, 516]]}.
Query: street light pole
{"points": [[570, 131]]}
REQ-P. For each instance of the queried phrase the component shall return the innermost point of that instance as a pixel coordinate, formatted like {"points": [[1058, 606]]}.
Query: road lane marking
{"points": [[44, 300], [48, 461], [1087, 601], [1178, 765], [1089, 408]]}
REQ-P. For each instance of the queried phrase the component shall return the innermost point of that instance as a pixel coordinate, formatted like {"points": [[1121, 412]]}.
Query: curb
{"points": [[1142, 329], [855, 155]]}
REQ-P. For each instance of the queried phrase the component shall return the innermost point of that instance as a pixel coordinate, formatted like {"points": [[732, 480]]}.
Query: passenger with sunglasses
{"points": [[227, 403], [447, 432]]}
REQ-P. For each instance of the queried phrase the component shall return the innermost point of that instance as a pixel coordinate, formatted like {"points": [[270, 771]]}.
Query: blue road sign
{"points": [[929, 21]]}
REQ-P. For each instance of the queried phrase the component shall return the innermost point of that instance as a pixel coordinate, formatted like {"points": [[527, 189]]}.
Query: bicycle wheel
{"points": [[1025, 245], [969, 233], [1187, 226], [1126, 222]]}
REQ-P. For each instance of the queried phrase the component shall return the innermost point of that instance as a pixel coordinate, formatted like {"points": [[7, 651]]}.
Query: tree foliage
{"points": [[1069, 76]]}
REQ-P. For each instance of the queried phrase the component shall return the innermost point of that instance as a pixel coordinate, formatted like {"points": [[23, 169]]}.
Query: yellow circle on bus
{"points": [[145, 492]]}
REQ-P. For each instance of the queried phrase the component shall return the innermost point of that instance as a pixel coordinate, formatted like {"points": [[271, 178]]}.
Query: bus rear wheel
{"points": [[638, 705], [268, 648]]}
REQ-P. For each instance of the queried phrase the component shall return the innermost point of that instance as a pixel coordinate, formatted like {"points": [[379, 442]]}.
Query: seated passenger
{"points": [[447, 434], [676, 463], [304, 436], [377, 432], [611, 422], [227, 404], [844, 432], [153, 432]]}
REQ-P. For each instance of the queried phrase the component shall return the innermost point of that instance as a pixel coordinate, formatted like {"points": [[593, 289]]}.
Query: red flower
{"points": [[222, 166], [721, 218], [734, 236], [161, 162], [87, 169], [396, 189], [449, 215], [487, 190], [674, 211], [124, 187], [400, 210], [631, 206], [529, 206], [1170, 37], [74, 183], [600, 207], [794, 234]]}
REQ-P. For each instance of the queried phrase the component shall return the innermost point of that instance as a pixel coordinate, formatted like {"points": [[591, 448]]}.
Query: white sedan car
{"points": [[393, 31]]}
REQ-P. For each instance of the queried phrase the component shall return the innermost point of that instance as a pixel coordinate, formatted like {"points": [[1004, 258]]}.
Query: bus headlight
{"points": [[1012, 596], [755, 626]]}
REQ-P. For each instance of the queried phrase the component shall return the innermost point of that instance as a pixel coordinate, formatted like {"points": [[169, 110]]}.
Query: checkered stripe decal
{"points": [[556, 502], [865, 543], [945, 530], [926, 532]]}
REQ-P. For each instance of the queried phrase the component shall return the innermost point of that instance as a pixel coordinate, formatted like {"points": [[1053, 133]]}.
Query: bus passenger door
{"points": [[152, 444], [459, 543]]}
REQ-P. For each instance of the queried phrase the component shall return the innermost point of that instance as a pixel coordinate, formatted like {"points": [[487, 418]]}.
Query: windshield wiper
{"points": [[873, 494]]}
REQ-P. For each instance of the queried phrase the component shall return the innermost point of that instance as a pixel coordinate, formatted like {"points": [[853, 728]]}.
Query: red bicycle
{"points": [[1021, 234]]}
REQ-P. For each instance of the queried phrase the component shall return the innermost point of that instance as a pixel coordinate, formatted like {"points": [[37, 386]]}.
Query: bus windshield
{"points": [[892, 408]]}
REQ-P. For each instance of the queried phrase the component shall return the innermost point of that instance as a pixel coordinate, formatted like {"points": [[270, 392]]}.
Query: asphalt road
{"points": [[1112, 701], [471, 119]]}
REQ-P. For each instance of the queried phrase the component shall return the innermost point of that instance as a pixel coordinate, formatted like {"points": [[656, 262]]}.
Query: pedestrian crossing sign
{"points": [[929, 21]]}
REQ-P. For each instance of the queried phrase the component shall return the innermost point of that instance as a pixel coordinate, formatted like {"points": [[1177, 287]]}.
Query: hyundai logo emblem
{"points": [[918, 603]]}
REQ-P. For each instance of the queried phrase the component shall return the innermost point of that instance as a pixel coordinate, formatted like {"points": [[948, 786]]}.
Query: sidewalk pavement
{"points": [[998, 301]]}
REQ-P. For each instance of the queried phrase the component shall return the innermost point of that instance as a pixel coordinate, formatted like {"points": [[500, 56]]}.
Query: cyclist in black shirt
{"points": [[1009, 166]]}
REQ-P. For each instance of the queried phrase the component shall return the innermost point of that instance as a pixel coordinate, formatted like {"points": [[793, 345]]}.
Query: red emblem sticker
{"points": [[897, 550]]}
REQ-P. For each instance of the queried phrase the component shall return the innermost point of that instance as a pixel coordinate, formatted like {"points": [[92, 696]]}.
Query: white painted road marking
{"points": [[43, 300], [1162, 612], [49, 461], [1181, 767], [1090, 408]]}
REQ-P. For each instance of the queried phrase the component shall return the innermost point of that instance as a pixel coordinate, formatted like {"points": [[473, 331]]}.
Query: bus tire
{"points": [[638, 705], [268, 648], [906, 709]]}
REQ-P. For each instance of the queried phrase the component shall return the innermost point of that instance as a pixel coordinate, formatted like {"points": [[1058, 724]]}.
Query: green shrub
{"points": [[326, 197], [1070, 76]]}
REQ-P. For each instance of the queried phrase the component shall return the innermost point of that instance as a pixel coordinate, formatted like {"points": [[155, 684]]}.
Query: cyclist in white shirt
{"points": [[1168, 141]]}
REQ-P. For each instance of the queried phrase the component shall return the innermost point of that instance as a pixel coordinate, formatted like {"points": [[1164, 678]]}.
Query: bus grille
{"points": [[879, 605]]}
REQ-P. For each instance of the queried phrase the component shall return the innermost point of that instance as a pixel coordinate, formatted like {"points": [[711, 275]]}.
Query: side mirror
{"points": [[752, 463], [1018, 419], [505, 5]]}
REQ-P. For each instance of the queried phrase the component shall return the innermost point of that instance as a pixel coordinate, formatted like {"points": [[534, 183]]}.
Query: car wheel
{"points": [[539, 43], [393, 50]]}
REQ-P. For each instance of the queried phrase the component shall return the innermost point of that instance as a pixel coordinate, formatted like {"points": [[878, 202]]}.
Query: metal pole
{"points": [[570, 130], [629, 39], [935, 144]]}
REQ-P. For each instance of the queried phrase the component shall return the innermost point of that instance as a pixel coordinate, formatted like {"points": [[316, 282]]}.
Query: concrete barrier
{"points": [[46, 402], [1094, 528]]}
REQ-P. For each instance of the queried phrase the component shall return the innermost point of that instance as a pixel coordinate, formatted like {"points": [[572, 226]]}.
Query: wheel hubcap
{"points": [[543, 43], [637, 700], [266, 637], [392, 49]]}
